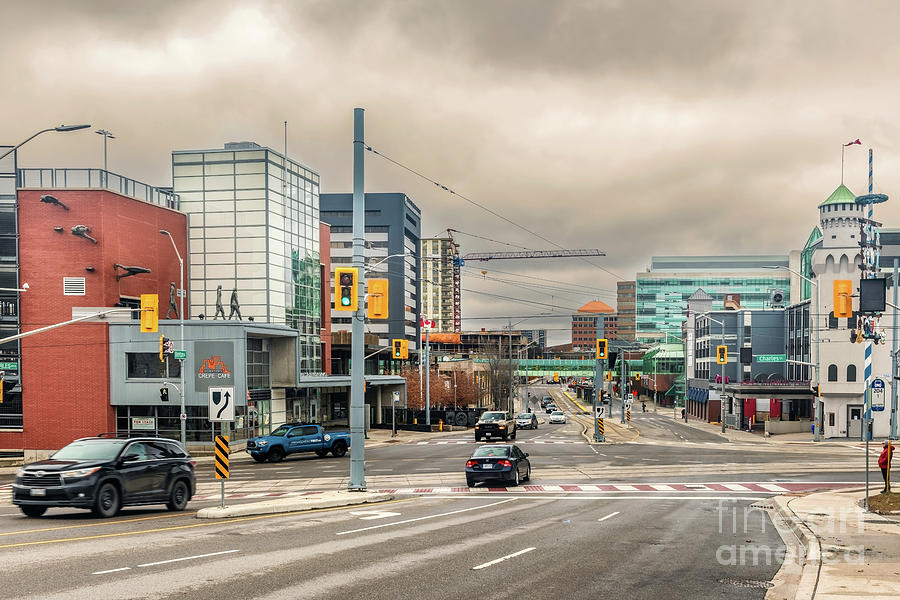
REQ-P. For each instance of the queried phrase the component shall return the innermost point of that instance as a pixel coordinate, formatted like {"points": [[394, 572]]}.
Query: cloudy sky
{"points": [[635, 127]]}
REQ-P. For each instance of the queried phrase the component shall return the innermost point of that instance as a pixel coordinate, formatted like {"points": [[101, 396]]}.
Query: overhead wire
{"points": [[481, 206]]}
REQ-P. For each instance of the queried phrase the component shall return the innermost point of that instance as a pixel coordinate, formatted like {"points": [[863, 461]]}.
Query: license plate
{"points": [[487, 466], [38, 492]]}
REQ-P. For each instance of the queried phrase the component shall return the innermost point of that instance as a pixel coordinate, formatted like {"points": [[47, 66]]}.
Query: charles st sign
{"points": [[213, 365]]}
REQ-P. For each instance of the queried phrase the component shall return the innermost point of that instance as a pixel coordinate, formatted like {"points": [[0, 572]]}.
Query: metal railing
{"points": [[96, 179]]}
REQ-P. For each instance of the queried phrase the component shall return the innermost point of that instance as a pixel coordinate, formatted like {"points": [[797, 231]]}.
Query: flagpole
{"points": [[842, 163]]}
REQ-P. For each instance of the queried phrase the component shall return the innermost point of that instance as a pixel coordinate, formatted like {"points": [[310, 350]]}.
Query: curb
{"points": [[288, 505], [812, 564]]}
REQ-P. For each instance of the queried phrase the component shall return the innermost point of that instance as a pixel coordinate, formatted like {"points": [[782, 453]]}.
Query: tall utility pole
{"points": [[357, 359], [894, 356], [427, 379], [510, 369]]}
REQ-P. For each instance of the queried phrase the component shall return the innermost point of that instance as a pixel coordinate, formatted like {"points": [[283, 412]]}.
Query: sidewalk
{"points": [[845, 552], [736, 435]]}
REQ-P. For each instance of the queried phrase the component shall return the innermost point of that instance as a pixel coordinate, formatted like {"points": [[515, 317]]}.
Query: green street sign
{"points": [[9, 366], [770, 358], [180, 354]]}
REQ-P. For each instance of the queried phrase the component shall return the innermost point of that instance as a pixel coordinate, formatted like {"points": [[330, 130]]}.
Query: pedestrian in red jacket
{"points": [[884, 461]]}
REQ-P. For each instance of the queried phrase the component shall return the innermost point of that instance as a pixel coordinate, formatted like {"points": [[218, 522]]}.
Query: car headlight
{"points": [[75, 474], [262, 443], [20, 472]]}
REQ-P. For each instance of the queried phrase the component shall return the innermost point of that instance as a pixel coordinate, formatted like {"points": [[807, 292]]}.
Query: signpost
{"points": [[878, 393], [221, 409], [396, 398]]}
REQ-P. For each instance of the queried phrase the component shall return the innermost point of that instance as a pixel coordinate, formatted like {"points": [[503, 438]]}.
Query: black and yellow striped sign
{"points": [[221, 457], [627, 415], [600, 426]]}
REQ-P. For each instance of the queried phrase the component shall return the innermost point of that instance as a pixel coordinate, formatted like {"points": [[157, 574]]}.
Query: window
{"points": [[146, 365], [831, 419], [832, 372], [851, 372]]}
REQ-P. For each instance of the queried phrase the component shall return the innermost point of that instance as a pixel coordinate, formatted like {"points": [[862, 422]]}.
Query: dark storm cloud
{"points": [[636, 127]]}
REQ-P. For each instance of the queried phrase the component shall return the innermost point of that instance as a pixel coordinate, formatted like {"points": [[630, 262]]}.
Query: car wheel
{"points": [[108, 501], [178, 499], [321, 452], [258, 458], [505, 437], [470, 482], [514, 433], [515, 480], [477, 438], [33, 511], [339, 449], [276, 454], [527, 474]]}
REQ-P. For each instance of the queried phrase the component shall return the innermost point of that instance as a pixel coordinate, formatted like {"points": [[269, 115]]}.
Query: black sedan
{"points": [[505, 462]]}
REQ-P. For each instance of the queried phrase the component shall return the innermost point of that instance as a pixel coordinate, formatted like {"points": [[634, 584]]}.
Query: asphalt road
{"points": [[662, 517]]}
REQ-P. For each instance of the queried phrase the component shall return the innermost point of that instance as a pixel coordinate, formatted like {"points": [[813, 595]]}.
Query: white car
{"points": [[557, 416]]}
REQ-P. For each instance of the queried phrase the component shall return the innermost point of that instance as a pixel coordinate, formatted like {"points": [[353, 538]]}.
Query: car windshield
{"points": [[557, 413], [280, 431], [98, 449], [525, 416], [491, 451], [493, 416]]}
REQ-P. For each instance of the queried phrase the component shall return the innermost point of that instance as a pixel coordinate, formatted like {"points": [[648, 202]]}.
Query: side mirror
{"points": [[130, 458], [526, 455]]}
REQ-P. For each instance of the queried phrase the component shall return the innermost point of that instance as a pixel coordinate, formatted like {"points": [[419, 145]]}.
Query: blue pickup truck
{"points": [[298, 437]]}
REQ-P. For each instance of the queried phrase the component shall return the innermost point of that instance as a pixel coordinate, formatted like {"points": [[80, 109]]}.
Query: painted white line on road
{"points": [[736, 487], [452, 512], [172, 560], [608, 516], [10, 514], [111, 571], [502, 558], [625, 488], [771, 487], [649, 496]]}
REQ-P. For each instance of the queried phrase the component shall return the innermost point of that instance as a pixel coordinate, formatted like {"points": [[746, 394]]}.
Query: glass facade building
{"points": [[253, 218], [661, 294]]}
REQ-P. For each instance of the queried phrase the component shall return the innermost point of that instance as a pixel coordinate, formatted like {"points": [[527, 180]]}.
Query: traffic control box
{"points": [[377, 306]]}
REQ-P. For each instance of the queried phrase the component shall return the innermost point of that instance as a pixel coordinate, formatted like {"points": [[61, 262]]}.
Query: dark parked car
{"points": [[545, 401], [526, 421], [495, 424], [506, 462], [104, 474]]}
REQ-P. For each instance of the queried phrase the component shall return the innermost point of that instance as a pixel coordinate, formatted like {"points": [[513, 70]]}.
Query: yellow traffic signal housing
{"points": [[843, 298], [377, 307], [162, 348], [346, 294], [400, 349], [149, 313], [601, 348], [556, 377], [722, 355]]}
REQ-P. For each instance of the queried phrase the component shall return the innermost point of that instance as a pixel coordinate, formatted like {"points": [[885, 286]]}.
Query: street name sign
{"points": [[770, 358], [221, 404], [180, 354]]}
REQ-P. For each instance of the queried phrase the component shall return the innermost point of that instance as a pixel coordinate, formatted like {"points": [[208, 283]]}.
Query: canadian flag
{"points": [[856, 141], [427, 323]]}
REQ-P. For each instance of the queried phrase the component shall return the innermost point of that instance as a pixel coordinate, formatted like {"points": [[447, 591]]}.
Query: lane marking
{"points": [[647, 497], [172, 560], [502, 558], [608, 516], [111, 571], [61, 527], [453, 512]]}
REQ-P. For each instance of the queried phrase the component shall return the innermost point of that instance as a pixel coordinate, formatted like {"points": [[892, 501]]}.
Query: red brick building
{"points": [[585, 321], [64, 373]]}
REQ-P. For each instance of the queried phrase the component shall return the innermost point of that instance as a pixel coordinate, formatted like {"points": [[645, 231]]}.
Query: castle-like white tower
{"points": [[842, 379]]}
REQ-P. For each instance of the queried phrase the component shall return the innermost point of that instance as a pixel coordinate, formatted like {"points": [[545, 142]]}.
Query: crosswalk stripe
{"points": [[736, 487], [772, 487]]}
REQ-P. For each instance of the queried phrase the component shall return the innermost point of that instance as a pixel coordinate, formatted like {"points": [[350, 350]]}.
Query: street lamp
{"points": [[107, 135], [60, 129], [814, 323], [182, 416], [721, 374]]}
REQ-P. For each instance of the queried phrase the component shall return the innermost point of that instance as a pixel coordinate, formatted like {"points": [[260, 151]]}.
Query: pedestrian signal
{"points": [[843, 300], [400, 349]]}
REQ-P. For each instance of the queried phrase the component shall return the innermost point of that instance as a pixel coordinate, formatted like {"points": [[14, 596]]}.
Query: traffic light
{"points": [[816, 391], [611, 361], [346, 296], [722, 355], [163, 394], [400, 349], [601, 348], [149, 313], [843, 301], [377, 307], [163, 342]]}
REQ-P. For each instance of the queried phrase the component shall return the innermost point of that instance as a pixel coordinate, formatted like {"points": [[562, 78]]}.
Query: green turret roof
{"points": [[841, 195]]}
